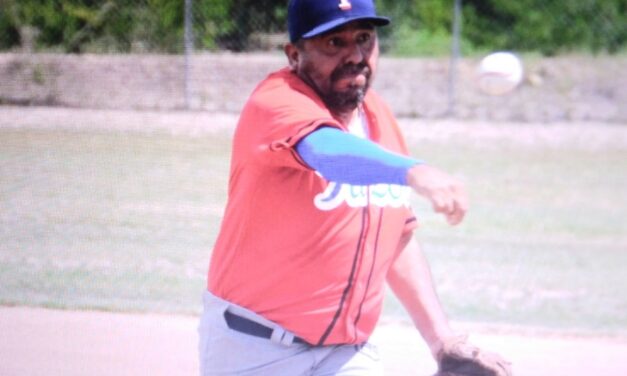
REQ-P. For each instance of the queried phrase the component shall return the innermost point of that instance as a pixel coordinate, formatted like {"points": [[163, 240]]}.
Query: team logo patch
{"points": [[381, 195], [345, 5]]}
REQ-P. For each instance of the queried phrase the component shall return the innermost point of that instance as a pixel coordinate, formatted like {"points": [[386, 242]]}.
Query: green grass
{"points": [[545, 241], [126, 221], [108, 220]]}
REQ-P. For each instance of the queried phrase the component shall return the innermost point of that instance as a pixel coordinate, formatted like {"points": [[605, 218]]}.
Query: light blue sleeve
{"points": [[344, 158]]}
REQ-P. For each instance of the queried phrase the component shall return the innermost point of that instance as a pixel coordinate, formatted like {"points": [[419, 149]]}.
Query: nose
{"points": [[355, 54]]}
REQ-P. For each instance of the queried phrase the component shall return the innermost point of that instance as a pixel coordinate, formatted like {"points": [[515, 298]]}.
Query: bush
{"points": [[549, 27], [420, 26], [407, 41]]}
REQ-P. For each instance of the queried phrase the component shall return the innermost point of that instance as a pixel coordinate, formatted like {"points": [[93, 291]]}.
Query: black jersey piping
{"points": [[374, 260], [410, 220], [349, 283]]}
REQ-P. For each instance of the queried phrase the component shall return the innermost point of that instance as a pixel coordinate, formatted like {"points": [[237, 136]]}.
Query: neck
{"points": [[346, 116], [341, 109]]}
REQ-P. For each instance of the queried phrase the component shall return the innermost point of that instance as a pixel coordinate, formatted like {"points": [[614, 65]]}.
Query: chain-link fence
{"points": [[208, 55]]}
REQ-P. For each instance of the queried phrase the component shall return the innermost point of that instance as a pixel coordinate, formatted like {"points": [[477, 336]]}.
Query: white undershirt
{"points": [[359, 125]]}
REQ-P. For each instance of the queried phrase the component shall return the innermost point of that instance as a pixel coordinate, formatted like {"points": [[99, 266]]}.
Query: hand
{"points": [[446, 194], [459, 358]]}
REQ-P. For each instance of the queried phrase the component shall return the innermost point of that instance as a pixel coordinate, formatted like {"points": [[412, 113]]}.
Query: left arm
{"points": [[411, 281]]}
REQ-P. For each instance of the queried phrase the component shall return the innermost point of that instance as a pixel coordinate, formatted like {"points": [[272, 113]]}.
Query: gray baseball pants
{"points": [[224, 351]]}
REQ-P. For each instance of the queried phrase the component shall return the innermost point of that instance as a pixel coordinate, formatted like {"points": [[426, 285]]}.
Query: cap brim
{"points": [[321, 29]]}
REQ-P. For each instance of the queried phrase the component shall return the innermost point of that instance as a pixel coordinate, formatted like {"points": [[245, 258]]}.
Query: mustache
{"points": [[349, 70]]}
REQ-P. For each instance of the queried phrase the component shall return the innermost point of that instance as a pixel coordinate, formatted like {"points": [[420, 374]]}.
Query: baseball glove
{"points": [[459, 358]]}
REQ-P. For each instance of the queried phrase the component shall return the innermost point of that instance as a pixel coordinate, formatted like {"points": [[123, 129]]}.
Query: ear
{"points": [[293, 55]]}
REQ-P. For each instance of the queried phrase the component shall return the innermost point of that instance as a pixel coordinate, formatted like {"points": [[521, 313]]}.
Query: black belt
{"points": [[250, 327]]}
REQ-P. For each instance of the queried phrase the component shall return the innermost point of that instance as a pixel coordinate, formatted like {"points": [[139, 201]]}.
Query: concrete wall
{"points": [[573, 88]]}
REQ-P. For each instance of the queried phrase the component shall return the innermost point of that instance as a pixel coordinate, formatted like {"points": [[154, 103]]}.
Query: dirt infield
{"points": [[39, 341]]}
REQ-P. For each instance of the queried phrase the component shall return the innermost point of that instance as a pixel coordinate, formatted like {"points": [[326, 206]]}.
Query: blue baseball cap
{"points": [[308, 18]]}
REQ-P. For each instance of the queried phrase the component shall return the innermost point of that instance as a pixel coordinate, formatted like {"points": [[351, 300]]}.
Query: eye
{"points": [[364, 38], [334, 42]]}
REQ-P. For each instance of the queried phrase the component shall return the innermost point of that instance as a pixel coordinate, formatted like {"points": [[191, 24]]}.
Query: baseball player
{"points": [[318, 217]]}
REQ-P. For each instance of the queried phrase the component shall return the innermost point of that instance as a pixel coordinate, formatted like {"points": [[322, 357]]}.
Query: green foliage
{"points": [[549, 27], [250, 16], [9, 35], [211, 18], [408, 41], [421, 27], [417, 27], [91, 25], [524, 25]]}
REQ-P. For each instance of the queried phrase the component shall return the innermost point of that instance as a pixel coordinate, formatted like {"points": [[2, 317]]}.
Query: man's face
{"points": [[339, 64]]}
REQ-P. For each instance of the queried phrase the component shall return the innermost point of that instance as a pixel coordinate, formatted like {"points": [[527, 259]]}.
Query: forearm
{"points": [[344, 158], [411, 281]]}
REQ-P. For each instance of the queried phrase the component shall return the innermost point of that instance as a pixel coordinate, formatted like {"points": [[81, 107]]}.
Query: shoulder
{"points": [[283, 87], [283, 98], [281, 105], [377, 104], [386, 129], [379, 110]]}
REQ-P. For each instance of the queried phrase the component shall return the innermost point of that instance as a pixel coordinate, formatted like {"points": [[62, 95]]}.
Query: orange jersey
{"points": [[309, 254]]}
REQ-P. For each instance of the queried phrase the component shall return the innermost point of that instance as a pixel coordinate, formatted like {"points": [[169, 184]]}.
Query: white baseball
{"points": [[499, 73]]}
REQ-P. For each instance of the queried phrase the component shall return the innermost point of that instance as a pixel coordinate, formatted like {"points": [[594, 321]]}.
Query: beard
{"points": [[353, 95], [347, 99]]}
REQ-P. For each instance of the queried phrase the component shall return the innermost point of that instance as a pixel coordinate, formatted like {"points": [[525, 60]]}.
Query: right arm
{"points": [[344, 158]]}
